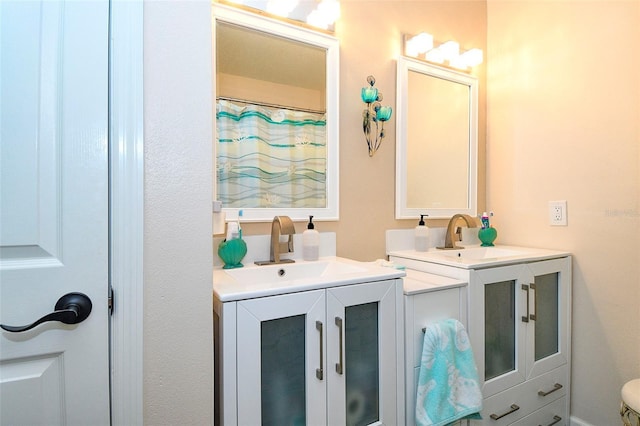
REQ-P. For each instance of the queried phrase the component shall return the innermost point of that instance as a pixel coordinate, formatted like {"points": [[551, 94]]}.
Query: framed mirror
{"points": [[436, 141], [276, 125]]}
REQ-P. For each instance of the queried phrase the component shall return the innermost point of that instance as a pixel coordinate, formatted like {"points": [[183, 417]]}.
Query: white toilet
{"points": [[630, 407]]}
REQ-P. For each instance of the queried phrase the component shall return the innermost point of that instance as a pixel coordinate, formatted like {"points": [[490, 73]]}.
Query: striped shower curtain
{"points": [[270, 157]]}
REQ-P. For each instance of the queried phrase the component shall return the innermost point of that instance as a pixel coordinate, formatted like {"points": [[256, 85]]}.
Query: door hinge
{"points": [[111, 301]]}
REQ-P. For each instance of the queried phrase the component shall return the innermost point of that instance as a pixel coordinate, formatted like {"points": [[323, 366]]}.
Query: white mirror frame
{"points": [[402, 211], [228, 14]]}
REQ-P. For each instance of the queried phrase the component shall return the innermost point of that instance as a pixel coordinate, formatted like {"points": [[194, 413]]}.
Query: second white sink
{"points": [[480, 253], [478, 257]]}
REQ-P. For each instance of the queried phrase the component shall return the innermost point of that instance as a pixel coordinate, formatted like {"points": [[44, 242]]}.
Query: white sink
{"points": [[478, 257], [293, 271], [481, 253], [254, 281]]}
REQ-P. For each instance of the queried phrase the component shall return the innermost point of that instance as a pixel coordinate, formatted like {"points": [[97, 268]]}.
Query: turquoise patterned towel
{"points": [[448, 386]]}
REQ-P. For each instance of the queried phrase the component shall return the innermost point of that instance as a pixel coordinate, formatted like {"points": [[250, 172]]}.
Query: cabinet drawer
{"points": [[555, 414], [428, 308], [519, 401]]}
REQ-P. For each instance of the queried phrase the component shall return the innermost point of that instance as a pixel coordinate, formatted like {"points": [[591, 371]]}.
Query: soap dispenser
{"points": [[422, 235], [310, 242]]}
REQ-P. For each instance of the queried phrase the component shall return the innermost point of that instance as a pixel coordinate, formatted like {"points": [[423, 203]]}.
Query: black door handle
{"points": [[71, 308]]}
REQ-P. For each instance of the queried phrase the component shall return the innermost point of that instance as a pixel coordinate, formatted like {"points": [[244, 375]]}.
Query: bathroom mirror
{"points": [[436, 141], [276, 91]]}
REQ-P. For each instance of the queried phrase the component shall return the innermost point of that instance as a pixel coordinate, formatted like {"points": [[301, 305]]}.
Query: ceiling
{"points": [[253, 54]]}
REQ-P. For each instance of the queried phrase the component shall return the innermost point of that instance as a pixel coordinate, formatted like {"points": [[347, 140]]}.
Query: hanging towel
{"points": [[448, 386]]}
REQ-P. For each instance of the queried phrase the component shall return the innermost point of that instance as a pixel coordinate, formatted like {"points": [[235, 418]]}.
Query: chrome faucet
{"points": [[281, 225], [449, 239]]}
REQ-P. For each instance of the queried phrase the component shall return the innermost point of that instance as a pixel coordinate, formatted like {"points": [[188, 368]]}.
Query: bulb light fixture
{"points": [[327, 12], [447, 53], [281, 7], [374, 115]]}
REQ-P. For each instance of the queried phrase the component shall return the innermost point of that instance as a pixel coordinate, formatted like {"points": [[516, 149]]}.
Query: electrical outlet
{"points": [[558, 213]]}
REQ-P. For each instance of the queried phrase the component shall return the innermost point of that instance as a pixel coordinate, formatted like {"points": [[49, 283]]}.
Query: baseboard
{"points": [[574, 421]]}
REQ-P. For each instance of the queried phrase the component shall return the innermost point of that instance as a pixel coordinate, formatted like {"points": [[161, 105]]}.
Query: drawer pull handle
{"points": [[556, 387], [513, 409], [320, 371], [556, 419]]}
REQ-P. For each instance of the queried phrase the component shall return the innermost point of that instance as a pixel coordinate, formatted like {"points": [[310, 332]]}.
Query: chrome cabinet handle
{"points": [[339, 365], [525, 318], [320, 371], [513, 409], [532, 317], [556, 387], [556, 419], [72, 308]]}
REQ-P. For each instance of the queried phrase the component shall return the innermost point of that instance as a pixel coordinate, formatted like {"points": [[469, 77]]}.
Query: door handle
{"points": [[72, 308], [339, 365], [525, 318]]}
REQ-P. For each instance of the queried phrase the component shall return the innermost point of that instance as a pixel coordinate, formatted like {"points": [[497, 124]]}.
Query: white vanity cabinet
{"points": [[319, 357], [519, 327]]}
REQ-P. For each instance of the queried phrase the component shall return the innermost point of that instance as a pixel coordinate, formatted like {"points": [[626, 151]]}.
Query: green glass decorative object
{"points": [[487, 236], [232, 252]]}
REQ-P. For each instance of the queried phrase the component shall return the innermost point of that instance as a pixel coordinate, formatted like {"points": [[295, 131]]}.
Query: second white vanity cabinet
{"points": [[323, 356], [519, 327]]}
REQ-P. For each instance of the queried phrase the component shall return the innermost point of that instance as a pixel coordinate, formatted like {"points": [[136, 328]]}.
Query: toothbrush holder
{"points": [[487, 236]]}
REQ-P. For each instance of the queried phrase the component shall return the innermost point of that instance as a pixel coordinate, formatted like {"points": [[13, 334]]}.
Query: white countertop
{"points": [[509, 255], [417, 282], [265, 280]]}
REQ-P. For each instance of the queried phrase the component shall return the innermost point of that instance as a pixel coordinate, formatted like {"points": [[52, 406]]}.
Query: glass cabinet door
{"points": [[497, 327], [547, 340], [280, 353], [361, 354]]}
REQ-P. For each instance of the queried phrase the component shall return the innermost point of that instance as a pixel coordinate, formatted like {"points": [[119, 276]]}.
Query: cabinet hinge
{"points": [[111, 301]]}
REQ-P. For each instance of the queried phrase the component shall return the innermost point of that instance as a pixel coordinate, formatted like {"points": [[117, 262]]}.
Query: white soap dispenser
{"points": [[310, 242], [422, 235]]}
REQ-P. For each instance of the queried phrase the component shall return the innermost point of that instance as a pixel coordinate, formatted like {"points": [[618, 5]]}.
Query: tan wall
{"points": [[370, 34], [564, 124], [249, 89], [560, 107]]}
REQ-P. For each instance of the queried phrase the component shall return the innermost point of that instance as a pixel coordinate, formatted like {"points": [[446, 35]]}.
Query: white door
{"points": [[53, 210]]}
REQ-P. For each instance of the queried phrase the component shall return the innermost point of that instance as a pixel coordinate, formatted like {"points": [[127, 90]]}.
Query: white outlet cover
{"points": [[558, 213]]}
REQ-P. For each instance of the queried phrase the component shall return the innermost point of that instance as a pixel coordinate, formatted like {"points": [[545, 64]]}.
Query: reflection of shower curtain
{"points": [[270, 157]]}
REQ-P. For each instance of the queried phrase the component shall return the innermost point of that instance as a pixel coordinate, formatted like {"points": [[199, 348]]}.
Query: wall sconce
{"points": [[421, 46], [374, 113]]}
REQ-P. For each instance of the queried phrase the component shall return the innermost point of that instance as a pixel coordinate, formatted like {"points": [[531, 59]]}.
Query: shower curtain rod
{"points": [[266, 104]]}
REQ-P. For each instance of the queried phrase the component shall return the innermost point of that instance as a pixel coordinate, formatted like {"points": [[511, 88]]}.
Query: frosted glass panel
{"points": [[546, 315], [283, 371], [362, 364], [500, 329]]}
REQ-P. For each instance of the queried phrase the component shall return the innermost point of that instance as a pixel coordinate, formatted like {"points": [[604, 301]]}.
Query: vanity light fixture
{"points": [[447, 52], [327, 12], [281, 7], [418, 44], [374, 113]]}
